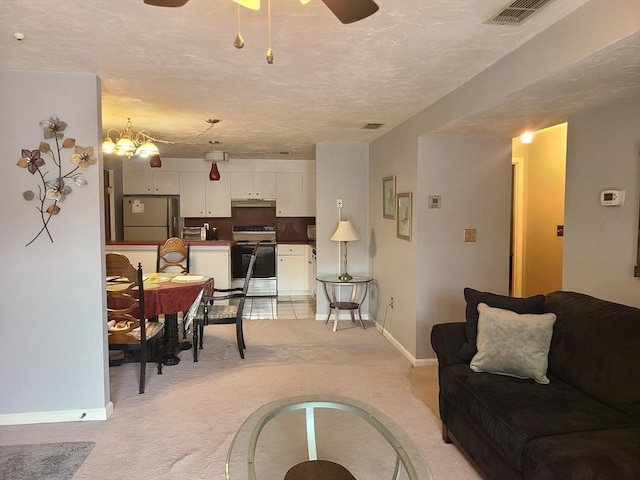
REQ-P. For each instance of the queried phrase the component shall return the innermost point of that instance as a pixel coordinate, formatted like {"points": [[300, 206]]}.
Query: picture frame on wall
{"points": [[389, 197], [404, 215]]}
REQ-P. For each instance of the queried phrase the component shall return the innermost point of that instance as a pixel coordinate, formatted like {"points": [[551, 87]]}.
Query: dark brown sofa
{"points": [[584, 424]]}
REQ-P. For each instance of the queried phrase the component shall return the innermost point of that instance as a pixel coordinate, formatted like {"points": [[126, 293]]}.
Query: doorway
{"points": [[538, 212]]}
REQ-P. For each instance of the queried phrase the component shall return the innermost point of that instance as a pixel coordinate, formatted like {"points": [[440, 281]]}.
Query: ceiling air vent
{"points": [[517, 12], [372, 126]]}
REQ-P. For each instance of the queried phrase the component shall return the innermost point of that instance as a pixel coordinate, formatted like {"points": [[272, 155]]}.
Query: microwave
{"points": [[311, 232], [193, 233]]}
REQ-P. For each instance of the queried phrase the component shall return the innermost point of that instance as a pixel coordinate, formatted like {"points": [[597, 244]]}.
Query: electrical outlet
{"points": [[391, 302], [469, 234], [339, 203]]}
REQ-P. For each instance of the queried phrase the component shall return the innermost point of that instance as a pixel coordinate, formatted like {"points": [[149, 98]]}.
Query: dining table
{"points": [[169, 294]]}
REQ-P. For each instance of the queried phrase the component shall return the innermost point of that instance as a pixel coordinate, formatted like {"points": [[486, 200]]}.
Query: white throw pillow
{"points": [[513, 344]]}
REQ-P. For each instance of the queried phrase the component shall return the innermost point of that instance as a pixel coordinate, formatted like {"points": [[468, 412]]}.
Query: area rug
{"points": [[51, 461]]}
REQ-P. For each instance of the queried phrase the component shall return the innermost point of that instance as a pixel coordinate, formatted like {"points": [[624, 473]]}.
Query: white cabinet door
{"points": [[192, 194], [289, 194], [151, 183], [309, 194], [264, 185], [137, 183], [292, 270], [253, 185], [218, 197], [241, 184], [166, 183]]}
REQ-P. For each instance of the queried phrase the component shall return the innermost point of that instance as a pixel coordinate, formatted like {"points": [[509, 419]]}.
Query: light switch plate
{"points": [[469, 234]]}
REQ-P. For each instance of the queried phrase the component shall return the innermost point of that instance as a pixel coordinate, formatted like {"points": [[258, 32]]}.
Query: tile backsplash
{"points": [[288, 229]]}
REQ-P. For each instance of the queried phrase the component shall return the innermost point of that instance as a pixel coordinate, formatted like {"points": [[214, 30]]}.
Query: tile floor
{"points": [[283, 307]]}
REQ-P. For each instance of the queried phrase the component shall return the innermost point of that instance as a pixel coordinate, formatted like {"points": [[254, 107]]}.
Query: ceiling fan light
{"points": [[108, 146], [304, 2], [125, 146], [251, 4], [147, 149]]}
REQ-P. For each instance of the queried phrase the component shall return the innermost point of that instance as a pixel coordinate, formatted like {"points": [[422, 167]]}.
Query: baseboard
{"points": [[58, 416], [416, 362]]}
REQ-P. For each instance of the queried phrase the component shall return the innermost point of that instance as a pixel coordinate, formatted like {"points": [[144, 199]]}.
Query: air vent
{"points": [[372, 126], [517, 12]]}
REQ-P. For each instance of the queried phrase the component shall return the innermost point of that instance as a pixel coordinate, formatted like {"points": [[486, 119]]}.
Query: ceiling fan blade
{"points": [[166, 3], [349, 11]]}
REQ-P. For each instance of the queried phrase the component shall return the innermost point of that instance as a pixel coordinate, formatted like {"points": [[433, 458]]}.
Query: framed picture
{"points": [[403, 221], [389, 197]]}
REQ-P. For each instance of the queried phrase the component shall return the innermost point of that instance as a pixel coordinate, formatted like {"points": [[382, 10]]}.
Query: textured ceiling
{"points": [[170, 69]]}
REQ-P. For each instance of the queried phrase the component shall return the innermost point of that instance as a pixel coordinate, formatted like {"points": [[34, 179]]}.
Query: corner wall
{"points": [[600, 243], [53, 356]]}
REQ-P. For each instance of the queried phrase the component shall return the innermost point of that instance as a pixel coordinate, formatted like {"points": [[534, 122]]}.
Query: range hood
{"points": [[252, 202]]}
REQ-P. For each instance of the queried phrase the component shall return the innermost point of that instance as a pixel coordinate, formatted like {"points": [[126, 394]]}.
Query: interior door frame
{"points": [[517, 227]]}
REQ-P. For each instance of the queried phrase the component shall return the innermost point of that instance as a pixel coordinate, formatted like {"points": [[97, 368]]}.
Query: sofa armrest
{"points": [[446, 340]]}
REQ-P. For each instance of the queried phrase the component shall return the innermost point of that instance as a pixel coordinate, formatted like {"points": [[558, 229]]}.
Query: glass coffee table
{"points": [[319, 430]]}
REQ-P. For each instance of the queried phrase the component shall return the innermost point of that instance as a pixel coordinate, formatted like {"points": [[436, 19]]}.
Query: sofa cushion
{"points": [[600, 455], [473, 297], [512, 411], [513, 344], [596, 348]]}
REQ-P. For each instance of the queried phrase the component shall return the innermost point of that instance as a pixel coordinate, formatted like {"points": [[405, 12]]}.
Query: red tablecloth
{"points": [[173, 297]]}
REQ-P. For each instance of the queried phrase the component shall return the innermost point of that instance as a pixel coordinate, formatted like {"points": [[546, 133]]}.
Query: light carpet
{"points": [[181, 428], [51, 461]]}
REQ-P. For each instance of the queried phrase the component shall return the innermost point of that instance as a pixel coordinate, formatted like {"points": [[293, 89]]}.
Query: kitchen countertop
{"points": [[198, 243]]}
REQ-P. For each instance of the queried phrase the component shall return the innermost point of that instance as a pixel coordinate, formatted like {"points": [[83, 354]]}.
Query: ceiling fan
{"points": [[347, 11]]}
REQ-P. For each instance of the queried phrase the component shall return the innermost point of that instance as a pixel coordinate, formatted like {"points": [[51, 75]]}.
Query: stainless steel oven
{"points": [[263, 281]]}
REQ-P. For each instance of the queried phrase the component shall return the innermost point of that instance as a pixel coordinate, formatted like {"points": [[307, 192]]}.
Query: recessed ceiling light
{"points": [[19, 36]]}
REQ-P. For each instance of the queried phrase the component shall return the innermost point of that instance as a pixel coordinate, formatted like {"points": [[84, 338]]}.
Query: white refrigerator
{"points": [[150, 217]]}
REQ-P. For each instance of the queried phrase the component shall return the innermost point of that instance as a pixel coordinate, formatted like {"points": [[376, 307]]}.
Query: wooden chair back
{"points": [[173, 256]]}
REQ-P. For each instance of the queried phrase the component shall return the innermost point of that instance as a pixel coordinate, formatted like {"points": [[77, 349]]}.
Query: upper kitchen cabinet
{"points": [[296, 194], [150, 183], [201, 197], [246, 185], [309, 194]]}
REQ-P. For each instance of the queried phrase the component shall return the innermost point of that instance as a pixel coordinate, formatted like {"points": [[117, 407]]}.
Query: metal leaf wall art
{"points": [[53, 187]]}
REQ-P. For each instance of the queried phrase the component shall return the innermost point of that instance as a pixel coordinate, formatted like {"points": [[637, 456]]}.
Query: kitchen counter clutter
{"points": [[210, 258]]}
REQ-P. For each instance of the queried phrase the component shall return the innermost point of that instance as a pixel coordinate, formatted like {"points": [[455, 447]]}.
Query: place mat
{"points": [[188, 278], [59, 461], [148, 286], [158, 277]]}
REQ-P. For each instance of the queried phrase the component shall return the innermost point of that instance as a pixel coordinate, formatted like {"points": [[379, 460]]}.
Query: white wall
{"points": [[600, 243], [342, 171], [53, 360], [473, 177]]}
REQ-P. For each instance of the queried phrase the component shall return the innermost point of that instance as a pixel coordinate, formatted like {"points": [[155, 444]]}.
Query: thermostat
{"points": [[612, 198]]}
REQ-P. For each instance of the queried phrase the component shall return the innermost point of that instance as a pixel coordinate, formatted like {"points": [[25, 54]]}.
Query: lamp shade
{"points": [[345, 232]]}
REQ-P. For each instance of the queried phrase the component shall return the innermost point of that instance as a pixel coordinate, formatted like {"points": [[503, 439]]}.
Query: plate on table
{"points": [[188, 278], [117, 287], [158, 277], [148, 286], [119, 327]]}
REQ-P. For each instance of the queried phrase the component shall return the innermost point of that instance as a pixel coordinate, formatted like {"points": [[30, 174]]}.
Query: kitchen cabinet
{"points": [[311, 273], [253, 185], [150, 183], [309, 194], [289, 194], [200, 197], [292, 270]]}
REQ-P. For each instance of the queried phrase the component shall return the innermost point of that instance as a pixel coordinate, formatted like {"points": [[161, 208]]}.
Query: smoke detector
{"points": [[216, 156]]}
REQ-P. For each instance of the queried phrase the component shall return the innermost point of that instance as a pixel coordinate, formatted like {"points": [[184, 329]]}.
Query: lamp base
{"points": [[345, 277]]}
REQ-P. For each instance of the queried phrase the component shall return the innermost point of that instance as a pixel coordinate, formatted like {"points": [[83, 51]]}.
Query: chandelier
{"points": [[140, 143]]}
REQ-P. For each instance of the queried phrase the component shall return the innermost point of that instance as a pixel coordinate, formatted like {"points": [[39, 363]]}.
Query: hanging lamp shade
{"points": [[147, 149], [214, 173], [155, 161]]}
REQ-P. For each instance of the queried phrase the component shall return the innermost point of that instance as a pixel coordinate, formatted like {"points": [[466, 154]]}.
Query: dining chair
{"points": [[209, 313], [173, 257], [128, 328]]}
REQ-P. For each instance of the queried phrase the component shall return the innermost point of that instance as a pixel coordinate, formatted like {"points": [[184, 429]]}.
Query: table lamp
{"points": [[345, 233]]}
